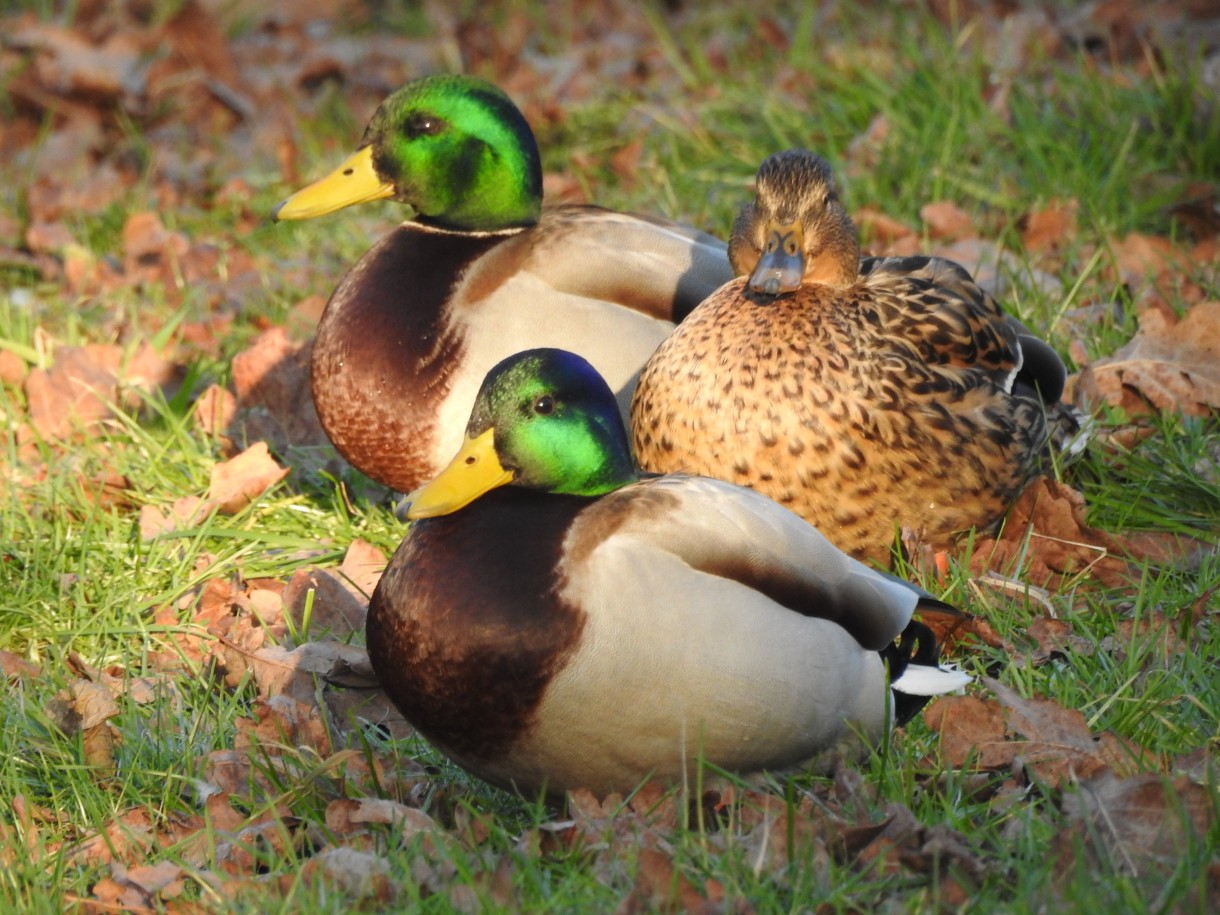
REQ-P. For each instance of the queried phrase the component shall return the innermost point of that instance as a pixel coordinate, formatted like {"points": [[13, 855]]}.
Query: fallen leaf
{"points": [[49, 238], [147, 243], [1169, 365], [1055, 638], [15, 667], [276, 836], [1045, 541], [141, 887], [881, 231], [361, 568], [346, 816], [283, 721], [85, 708], [83, 705], [353, 709], [13, 369], [970, 728], [1143, 259], [183, 513], [1140, 822], [82, 387], [70, 65], [121, 683], [275, 404], [333, 611], [277, 670], [357, 874], [130, 836], [1041, 738], [1048, 229], [1156, 637], [78, 391], [661, 887], [237, 482], [215, 410], [1058, 745], [946, 220]]}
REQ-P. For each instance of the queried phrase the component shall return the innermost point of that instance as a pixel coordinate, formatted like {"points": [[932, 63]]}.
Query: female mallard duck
{"points": [[589, 626], [867, 397], [479, 272]]}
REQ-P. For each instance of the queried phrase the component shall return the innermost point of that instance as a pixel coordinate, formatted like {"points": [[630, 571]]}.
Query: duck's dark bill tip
{"points": [[275, 212]]}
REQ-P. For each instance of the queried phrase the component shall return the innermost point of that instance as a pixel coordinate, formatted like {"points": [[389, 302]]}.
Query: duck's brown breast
{"points": [[466, 628], [385, 352]]}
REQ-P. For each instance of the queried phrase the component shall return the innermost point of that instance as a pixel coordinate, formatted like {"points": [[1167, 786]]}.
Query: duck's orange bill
{"points": [[355, 181], [781, 268], [473, 471]]}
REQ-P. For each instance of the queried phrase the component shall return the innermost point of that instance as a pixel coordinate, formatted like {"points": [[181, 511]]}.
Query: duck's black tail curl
{"points": [[915, 672]]}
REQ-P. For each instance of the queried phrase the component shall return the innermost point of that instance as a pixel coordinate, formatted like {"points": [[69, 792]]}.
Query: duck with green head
{"points": [[480, 270], [556, 619], [868, 395]]}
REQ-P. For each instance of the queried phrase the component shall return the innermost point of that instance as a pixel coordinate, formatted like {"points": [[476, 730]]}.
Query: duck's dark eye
{"points": [[544, 405], [421, 124]]}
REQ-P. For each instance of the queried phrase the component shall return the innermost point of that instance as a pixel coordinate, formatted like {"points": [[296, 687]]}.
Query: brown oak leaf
{"points": [[1169, 365], [1048, 228], [1047, 741], [346, 816], [1045, 540], [1140, 821], [240, 480], [946, 220]]}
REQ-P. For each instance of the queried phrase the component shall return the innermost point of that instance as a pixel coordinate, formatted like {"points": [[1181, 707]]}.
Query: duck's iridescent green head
{"points": [[544, 419], [453, 148]]}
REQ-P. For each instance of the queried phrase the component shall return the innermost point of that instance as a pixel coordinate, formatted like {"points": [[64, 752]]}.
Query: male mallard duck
{"points": [[865, 396], [479, 272], [588, 626]]}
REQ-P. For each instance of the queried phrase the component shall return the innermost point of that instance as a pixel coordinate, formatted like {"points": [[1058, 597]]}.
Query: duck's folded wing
{"points": [[934, 306], [735, 533], [966, 326], [658, 267]]}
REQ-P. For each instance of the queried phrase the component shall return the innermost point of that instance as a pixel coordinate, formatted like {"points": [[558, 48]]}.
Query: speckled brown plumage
{"points": [[866, 398]]}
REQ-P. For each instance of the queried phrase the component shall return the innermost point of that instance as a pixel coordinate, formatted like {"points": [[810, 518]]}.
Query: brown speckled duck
{"points": [[480, 271], [867, 396], [554, 619]]}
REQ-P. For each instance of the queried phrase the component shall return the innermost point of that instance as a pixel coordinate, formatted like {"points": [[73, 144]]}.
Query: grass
{"points": [[77, 579]]}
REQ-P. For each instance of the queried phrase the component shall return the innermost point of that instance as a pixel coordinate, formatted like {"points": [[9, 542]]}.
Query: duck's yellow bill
{"points": [[355, 181], [473, 471]]}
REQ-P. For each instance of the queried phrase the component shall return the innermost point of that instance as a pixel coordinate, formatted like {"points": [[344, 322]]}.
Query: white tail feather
{"points": [[923, 680]]}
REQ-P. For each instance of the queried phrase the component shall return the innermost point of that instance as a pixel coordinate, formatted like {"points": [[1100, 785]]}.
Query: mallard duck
{"points": [[555, 619], [480, 271], [867, 396]]}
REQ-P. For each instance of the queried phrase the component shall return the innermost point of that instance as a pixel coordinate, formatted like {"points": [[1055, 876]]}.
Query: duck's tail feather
{"points": [[915, 672]]}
